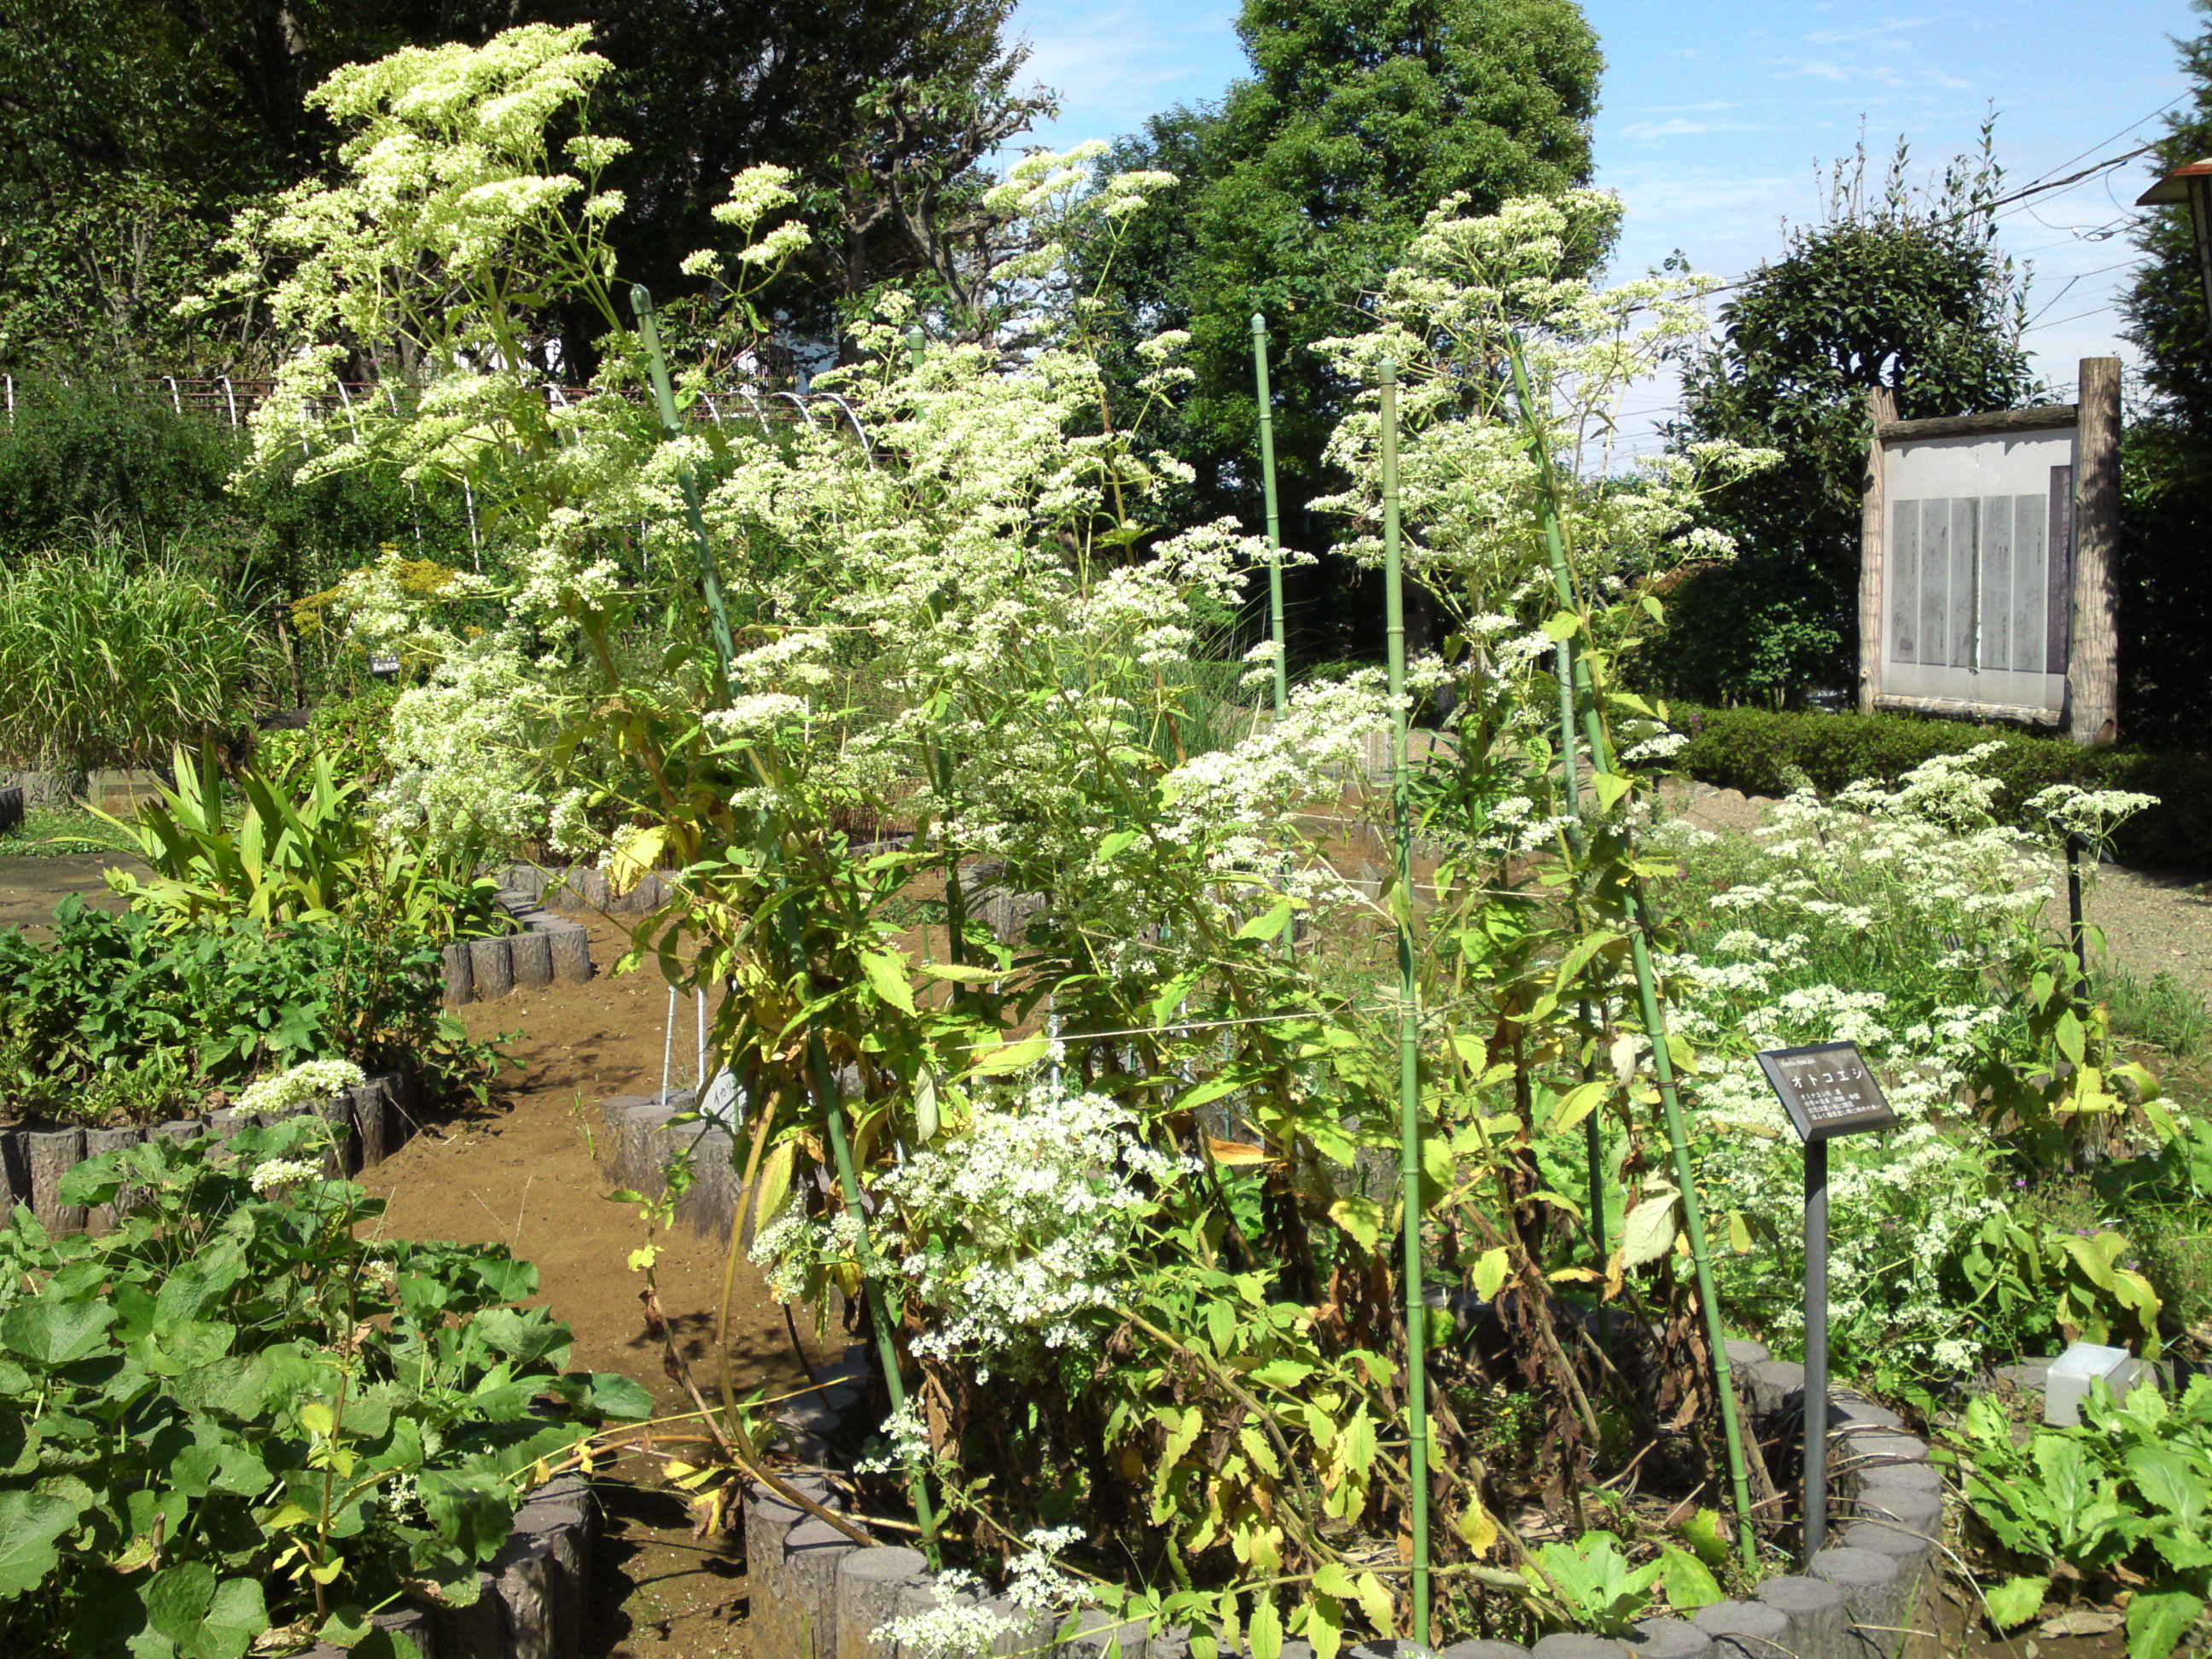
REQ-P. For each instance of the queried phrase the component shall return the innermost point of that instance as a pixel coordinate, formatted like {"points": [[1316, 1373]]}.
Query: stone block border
{"points": [[815, 1594], [533, 1595]]}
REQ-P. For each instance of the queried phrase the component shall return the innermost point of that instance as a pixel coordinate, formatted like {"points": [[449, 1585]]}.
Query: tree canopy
{"points": [[1902, 287], [2165, 597], [1301, 188], [131, 130]]}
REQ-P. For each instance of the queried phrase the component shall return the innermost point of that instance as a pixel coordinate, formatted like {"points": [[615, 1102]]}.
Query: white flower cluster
{"points": [[314, 1079], [1917, 886], [1014, 1232], [280, 1174], [795, 1245], [961, 1626]]}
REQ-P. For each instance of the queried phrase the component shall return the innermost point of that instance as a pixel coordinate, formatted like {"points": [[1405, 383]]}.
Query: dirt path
{"points": [[523, 1174]]}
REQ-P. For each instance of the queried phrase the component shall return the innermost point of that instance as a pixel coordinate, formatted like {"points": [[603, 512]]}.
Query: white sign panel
{"points": [[1976, 577]]}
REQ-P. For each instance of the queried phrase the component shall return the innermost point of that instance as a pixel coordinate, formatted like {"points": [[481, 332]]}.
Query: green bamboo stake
{"points": [[833, 1112], [956, 901], [710, 579], [1654, 1024], [1409, 1018], [1274, 518]]}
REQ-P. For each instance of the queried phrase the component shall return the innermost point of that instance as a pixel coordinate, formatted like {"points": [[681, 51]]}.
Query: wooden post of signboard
{"points": [[2092, 679], [1881, 405]]}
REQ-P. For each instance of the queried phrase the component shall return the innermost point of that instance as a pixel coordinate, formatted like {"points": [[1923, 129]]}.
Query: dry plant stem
{"points": [[735, 1443]]}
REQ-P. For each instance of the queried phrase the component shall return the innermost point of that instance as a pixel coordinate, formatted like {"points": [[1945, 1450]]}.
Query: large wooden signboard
{"points": [[1987, 544]]}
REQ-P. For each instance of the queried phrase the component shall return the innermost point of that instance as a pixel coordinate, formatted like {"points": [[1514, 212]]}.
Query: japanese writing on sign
{"points": [[1827, 1090]]}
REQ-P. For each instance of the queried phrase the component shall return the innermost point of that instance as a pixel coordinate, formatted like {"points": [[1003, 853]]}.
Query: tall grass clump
{"points": [[108, 663]]}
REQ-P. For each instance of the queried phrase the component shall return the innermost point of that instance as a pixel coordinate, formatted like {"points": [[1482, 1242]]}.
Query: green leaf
{"points": [[1263, 1633], [2016, 1601], [2067, 1032], [29, 1523], [56, 1333], [1116, 844], [1489, 1271], [1562, 626], [1687, 1581], [886, 973], [1360, 1218], [1325, 1620], [1702, 1533], [2158, 1620], [1577, 1103], [1610, 786], [1333, 1580], [237, 1615], [1266, 927]]}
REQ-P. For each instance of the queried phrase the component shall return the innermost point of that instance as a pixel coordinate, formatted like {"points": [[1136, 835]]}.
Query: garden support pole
{"points": [[1563, 670], [1274, 517], [1816, 1347], [710, 579], [955, 902], [841, 1148], [1409, 1018], [1655, 1023]]}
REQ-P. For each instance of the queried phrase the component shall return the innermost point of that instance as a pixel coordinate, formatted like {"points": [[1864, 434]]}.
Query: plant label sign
{"points": [[383, 664], [1827, 1090]]}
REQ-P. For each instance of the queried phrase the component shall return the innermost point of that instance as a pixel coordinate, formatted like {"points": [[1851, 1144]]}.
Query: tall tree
{"points": [[2166, 591], [1897, 285], [1304, 186]]}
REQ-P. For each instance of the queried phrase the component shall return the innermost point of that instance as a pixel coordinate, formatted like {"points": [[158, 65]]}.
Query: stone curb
{"points": [[815, 1595]]}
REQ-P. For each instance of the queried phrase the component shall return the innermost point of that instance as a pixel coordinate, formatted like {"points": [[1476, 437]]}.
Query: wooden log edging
{"points": [[370, 1122], [545, 950], [815, 1594], [533, 1595]]}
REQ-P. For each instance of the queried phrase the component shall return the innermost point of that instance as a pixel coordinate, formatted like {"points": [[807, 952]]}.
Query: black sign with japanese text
{"points": [[1827, 1090]]}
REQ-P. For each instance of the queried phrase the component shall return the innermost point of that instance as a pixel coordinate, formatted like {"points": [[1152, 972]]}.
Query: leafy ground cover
{"points": [[234, 1420]]}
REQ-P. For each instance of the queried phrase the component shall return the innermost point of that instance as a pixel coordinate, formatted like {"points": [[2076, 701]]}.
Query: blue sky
{"points": [[1716, 116]]}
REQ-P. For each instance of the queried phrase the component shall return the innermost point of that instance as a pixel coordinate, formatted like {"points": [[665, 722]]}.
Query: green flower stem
{"points": [[710, 579], [833, 1115], [1654, 1024], [1274, 518], [1409, 1016]]}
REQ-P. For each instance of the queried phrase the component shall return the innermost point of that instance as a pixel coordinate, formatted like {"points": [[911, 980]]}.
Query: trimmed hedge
{"points": [[1762, 753]]}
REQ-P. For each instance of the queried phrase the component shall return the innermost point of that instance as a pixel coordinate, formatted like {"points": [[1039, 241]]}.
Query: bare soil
{"points": [[524, 1173]]}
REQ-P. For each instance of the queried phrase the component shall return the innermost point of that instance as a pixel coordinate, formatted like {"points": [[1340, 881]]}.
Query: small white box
{"points": [[2073, 1371]]}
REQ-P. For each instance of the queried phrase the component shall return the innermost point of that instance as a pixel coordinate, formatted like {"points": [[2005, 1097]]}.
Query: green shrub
{"points": [[115, 1014], [80, 461], [242, 1411], [108, 664], [1764, 753]]}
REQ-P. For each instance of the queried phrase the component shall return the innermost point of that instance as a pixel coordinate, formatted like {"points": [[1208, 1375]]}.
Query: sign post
{"points": [[1828, 1092]]}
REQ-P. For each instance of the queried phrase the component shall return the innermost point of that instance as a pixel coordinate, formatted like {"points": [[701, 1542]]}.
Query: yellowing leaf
{"points": [[1476, 1528], [886, 972], [1489, 1271], [634, 858], [316, 1417], [1738, 1233], [1648, 1231], [1237, 1151], [1016, 1056], [1375, 1602]]}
